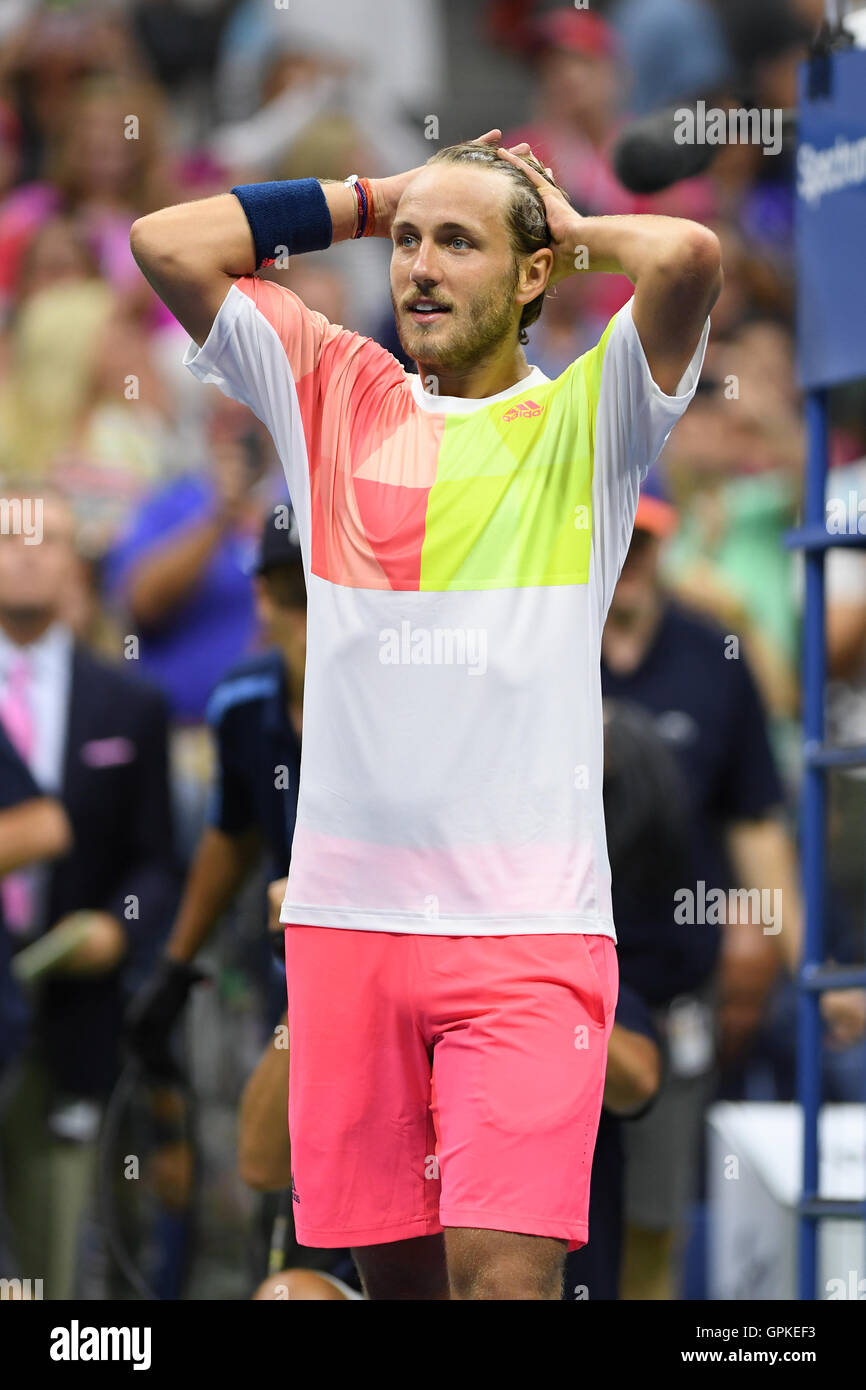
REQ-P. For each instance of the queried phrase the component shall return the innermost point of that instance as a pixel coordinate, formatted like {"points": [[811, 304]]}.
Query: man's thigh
{"points": [[362, 1135], [518, 1078]]}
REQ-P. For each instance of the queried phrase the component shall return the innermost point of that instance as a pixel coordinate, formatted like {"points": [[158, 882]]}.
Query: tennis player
{"points": [[450, 948]]}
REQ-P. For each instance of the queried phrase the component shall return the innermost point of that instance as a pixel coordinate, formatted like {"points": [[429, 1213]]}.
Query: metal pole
{"points": [[813, 822]]}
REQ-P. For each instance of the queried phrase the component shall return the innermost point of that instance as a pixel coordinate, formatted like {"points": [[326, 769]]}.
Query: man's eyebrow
{"points": [[406, 226]]}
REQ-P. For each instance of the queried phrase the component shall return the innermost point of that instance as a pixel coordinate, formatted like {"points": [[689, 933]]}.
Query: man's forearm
{"points": [[165, 578], [191, 253], [634, 244], [221, 862], [633, 1071], [763, 857]]}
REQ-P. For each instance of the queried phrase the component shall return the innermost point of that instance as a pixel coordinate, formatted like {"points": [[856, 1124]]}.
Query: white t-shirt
{"points": [[460, 558]]}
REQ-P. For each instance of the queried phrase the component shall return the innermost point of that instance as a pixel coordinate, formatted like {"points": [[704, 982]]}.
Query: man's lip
{"points": [[420, 315]]}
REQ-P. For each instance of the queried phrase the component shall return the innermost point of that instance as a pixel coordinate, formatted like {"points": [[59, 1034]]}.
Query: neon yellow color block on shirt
{"points": [[511, 506]]}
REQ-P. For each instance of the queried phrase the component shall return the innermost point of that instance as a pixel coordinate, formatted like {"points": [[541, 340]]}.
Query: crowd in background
{"points": [[157, 488]]}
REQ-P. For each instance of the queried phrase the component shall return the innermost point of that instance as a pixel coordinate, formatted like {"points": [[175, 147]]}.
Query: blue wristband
{"points": [[290, 213]]}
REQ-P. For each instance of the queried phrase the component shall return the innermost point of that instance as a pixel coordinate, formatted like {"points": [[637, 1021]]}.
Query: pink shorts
{"points": [[444, 1081]]}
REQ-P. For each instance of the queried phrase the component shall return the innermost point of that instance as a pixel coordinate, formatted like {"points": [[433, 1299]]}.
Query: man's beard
{"points": [[489, 319]]}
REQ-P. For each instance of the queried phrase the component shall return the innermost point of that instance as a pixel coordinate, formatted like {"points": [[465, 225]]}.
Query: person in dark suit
{"points": [[91, 923], [32, 827]]}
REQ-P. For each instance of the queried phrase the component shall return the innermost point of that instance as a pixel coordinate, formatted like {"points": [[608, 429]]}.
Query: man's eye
{"points": [[459, 241]]}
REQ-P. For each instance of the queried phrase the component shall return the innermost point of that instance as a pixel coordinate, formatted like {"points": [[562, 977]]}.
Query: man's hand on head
{"points": [[564, 223], [388, 192]]}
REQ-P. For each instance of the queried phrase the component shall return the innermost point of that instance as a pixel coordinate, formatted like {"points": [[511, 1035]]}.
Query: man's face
{"points": [[34, 579], [453, 272], [579, 88]]}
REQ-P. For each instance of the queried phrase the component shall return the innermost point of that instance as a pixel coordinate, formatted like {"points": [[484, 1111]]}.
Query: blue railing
{"points": [[814, 540]]}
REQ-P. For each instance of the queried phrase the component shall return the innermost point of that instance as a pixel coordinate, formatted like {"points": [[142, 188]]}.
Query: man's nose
{"points": [[425, 270]]}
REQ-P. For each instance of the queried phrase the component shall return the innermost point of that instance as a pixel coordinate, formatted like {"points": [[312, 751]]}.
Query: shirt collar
{"points": [[463, 405], [47, 654]]}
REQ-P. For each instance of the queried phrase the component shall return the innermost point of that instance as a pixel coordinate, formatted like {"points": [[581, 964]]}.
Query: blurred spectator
{"points": [[105, 165], [579, 75], [33, 827], [735, 471], [97, 739], [181, 571], [665, 68], [388, 56], [254, 717], [845, 597], [659, 656], [53, 347], [648, 849], [181, 574]]}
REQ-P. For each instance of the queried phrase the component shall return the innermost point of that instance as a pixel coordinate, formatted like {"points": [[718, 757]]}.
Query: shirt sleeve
{"points": [[633, 419], [634, 1014], [230, 809], [294, 369]]}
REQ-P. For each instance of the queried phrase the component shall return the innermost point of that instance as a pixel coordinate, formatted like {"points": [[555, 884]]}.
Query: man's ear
{"points": [[534, 276]]}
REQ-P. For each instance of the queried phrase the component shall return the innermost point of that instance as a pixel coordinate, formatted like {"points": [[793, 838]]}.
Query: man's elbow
{"points": [[151, 246], [698, 264]]}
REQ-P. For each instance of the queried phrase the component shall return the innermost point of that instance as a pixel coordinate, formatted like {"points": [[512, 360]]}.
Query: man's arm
{"points": [[32, 830], [674, 264], [633, 1071], [220, 865], [218, 870], [763, 856], [191, 253]]}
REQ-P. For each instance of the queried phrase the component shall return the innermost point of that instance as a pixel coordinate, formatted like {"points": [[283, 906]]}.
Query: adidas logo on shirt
{"points": [[527, 410]]}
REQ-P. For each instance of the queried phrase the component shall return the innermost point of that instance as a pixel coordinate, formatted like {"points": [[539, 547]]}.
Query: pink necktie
{"points": [[17, 716]]}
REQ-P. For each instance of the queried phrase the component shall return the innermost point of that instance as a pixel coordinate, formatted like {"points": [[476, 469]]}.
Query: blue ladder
{"points": [[814, 540]]}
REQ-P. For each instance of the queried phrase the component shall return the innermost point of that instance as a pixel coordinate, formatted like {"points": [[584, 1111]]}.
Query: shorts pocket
{"points": [[603, 969]]}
